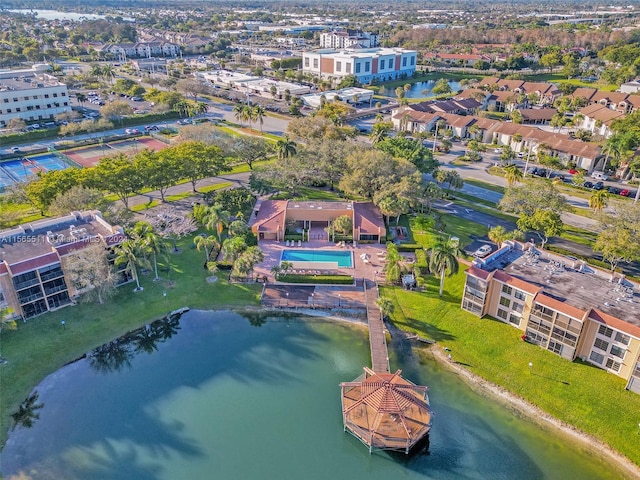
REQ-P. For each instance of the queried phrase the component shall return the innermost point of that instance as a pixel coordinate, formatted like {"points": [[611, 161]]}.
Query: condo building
{"points": [[562, 305], [34, 260]]}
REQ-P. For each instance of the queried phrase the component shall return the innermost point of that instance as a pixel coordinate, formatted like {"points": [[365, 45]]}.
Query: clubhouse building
{"points": [[276, 218], [562, 305], [35, 259]]}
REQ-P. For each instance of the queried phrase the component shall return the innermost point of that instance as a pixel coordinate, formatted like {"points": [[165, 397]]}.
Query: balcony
{"points": [[26, 284], [51, 275], [56, 289], [30, 298]]}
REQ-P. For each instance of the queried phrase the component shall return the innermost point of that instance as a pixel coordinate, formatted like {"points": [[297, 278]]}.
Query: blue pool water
{"points": [[20, 170], [343, 259]]}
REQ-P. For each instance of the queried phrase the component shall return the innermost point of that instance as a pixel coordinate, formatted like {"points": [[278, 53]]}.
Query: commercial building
{"points": [[367, 64], [350, 95], [276, 218], [31, 95], [34, 260], [562, 305]]}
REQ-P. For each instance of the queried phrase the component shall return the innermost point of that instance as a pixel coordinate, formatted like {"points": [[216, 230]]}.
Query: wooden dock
{"points": [[377, 339]]}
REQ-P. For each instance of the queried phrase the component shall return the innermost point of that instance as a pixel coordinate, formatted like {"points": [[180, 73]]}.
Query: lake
{"points": [[218, 395], [419, 89]]}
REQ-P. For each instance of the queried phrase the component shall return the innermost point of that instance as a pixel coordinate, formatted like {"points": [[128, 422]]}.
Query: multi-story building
{"points": [[31, 95], [142, 49], [34, 260], [348, 38], [367, 64], [562, 305]]}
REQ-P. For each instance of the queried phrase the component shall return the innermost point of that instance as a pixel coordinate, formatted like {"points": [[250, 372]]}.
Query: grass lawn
{"points": [[454, 227], [581, 395], [309, 193], [41, 346], [485, 185], [557, 78]]}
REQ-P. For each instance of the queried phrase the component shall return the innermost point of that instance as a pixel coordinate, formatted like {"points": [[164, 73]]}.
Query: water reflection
{"points": [[27, 413], [118, 354]]}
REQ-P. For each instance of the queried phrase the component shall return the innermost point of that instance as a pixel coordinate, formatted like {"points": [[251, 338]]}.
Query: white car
{"points": [[483, 251]]}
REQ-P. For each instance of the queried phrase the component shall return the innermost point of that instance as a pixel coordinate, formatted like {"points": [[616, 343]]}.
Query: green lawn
{"points": [[41, 346], [485, 185], [557, 78], [309, 193], [454, 227], [581, 395]]}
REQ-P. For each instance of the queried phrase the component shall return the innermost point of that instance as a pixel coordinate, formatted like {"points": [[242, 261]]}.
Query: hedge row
{"points": [[409, 247], [319, 279]]}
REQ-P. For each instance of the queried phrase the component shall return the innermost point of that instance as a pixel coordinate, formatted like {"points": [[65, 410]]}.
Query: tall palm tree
{"points": [[286, 148], [153, 243], [131, 254], [513, 174], [200, 108], [216, 218], [598, 200], [258, 113], [95, 70], [239, 113], [81, 97], [443, 260], [206, 243], [108, 72]]}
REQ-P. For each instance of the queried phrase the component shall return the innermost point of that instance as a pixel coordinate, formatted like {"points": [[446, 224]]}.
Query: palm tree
{"points": [[108, 72], [216, 218], [157, 246], [258, 113], [81, 97], [200, 108], [286, 148], [386, 306], [498, 235], [598, 200], [440, 124], [206, 243], [513, 174], [239, 113], [130, 254], [95, 70], [612, 148], [443, 260]]}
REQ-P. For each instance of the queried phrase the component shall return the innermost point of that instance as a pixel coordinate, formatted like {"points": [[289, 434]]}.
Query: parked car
{"points": [[520, 155], [151, 128], [184, 121], [15, 149], [598, 175], [132, 130], [483, 251], [498, 150], [541, 172], [625, 192], [573, 171], [598, 186], [614, 190], [587, 184], [136, 99]]}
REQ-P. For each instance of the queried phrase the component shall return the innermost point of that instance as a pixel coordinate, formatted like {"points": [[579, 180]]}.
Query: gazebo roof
{"points": [[385, 410]]}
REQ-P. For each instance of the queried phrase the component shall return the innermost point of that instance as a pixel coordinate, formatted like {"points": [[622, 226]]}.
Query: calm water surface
{"points": [[213, 396], [420, 89]]}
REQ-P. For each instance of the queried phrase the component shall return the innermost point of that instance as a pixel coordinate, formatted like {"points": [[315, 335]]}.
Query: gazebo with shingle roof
{"points": [[385, 411]]}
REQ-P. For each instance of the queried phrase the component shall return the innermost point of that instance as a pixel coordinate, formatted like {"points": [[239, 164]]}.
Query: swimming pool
{"points": [[318, 258]]}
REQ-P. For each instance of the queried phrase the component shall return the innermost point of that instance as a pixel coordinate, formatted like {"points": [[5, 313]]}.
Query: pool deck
{"points": [[361, 296]]}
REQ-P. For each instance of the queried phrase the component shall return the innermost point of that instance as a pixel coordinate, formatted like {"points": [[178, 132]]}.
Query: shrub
{"points": [[318, 279], [222, 265], [409, 247], [293, 236]]}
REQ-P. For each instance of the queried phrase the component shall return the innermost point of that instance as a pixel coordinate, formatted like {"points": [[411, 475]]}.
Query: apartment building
{"points": [[34, 260], [140, 49], [562, 305], [348, 38], [367, 64], [31, 95]]}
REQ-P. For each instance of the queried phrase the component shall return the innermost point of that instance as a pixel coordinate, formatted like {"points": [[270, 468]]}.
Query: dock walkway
{"points": [[377, 339]]}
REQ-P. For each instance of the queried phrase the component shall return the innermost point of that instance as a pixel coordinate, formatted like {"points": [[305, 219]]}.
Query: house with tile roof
{"points": [[276, 219], [561, 305]]}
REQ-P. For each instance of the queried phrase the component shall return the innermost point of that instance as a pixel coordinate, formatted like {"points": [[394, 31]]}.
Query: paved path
{"points": [[377, 339]]}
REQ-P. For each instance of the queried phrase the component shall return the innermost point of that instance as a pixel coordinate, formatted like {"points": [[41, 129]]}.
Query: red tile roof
{"points": [[559, 306], [34, 263], [270, 216], [478, 273], [3, 268], [516, 282], [614, 322], [368, 218]]}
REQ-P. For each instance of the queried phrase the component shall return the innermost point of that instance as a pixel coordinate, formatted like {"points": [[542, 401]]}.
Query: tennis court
{"points": [[19, 170], [90, 156]]}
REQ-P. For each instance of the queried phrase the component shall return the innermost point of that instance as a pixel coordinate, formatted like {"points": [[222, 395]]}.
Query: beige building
{"points": [[562, 305], [34, 260]]}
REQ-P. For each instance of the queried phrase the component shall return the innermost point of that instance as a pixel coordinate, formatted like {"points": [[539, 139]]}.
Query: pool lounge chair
{"points": [[286, 243], [299, 243]]}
